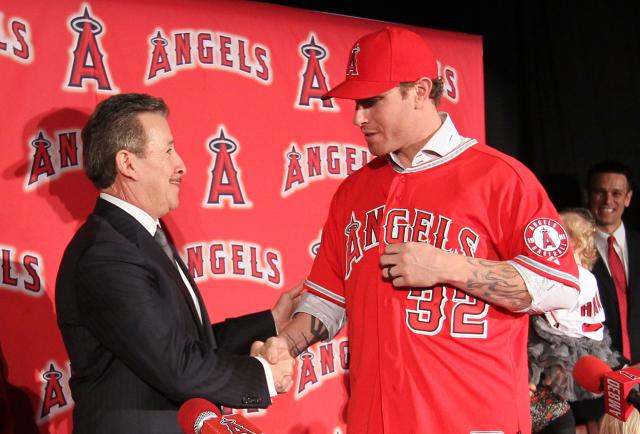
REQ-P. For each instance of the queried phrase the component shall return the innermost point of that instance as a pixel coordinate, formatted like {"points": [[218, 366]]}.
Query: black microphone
{"points": [[199, 416], [620, 396]]}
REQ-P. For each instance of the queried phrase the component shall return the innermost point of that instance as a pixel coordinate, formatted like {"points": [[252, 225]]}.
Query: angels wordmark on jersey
{"points": [[398, 225]]}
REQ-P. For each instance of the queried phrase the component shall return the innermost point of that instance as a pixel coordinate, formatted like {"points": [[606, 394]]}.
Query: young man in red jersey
{"points": [[436, 251]]}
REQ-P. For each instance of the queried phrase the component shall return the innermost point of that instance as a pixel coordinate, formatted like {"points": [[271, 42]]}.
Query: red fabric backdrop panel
{"points": [[264, 155]]}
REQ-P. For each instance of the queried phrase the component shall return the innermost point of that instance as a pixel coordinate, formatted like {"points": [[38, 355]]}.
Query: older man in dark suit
{"points": [[133, 322]]}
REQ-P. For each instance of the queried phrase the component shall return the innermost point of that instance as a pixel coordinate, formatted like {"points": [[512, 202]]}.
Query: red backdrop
{"points": [[264, 155]]}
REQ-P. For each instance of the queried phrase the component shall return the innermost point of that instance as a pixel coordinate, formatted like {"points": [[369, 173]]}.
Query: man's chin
{"points": [[174, 204], [376, 150], [608, 221]]}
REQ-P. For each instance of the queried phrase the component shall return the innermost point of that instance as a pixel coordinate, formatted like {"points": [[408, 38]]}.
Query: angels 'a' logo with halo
{"points": [[546, 237], [352, 66]]}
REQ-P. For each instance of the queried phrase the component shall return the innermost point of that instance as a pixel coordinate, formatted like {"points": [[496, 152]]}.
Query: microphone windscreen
{"points": [[191, 410], [589, 373]]}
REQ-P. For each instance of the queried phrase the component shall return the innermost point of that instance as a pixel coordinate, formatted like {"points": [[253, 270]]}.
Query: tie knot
{"points": [[160, 235], [161, 239], [611, 240]]}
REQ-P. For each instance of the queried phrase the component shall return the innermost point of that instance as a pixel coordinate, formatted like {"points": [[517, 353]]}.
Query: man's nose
{"points": [[181, 168], [359, 117]]}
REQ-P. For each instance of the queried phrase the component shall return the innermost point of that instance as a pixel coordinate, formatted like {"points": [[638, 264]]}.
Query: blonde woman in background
{"points": [[559, 338]]}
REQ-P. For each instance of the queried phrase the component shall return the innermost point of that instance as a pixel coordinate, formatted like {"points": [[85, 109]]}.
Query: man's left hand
{"points": [[284, 307]]}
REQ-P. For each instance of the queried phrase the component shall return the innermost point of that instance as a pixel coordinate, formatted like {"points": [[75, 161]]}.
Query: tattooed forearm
{"points": [[296, 346], [318, 330], [300, 339], [498, 283]]}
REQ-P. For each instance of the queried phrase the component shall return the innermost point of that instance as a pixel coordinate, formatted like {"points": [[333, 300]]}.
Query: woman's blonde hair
{"points": [[581, 228], [611, 425]]}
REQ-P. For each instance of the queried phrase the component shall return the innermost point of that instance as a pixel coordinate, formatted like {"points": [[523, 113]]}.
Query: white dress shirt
{"points": [[620, 245]]}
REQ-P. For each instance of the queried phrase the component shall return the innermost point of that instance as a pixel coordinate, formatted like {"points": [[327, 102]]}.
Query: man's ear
{"points": [[125, 164], [627, 199], [423, 90]]}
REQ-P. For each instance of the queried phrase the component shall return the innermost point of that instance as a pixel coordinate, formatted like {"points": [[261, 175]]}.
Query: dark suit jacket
{"points": [[136, 347], [610, 299]]}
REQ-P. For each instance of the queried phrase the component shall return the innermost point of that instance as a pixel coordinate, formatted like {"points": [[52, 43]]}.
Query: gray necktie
{"points": [[161, 238], [186, 289]]}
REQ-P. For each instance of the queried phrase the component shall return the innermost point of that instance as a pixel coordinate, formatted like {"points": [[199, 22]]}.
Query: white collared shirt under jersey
{"points": [[151, 224], [443, 141], [620, 245]]}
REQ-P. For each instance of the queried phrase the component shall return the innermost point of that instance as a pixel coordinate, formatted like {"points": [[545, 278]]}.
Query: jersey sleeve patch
{"points": [[546, 238]]}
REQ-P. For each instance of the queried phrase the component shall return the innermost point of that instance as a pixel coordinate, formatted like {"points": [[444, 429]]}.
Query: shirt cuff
{"points": [[269, 376], [546, 294], [330, 314]]}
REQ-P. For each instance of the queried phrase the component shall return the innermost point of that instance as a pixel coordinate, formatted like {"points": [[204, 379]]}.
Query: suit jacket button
{"points": [[251, 400]]}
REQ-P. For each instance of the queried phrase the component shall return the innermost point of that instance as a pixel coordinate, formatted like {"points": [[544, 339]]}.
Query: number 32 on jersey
{"points": [[467, 314]]}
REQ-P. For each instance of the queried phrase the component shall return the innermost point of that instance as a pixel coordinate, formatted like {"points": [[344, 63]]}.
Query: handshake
{"points": [[276, 352], [276, 349]]}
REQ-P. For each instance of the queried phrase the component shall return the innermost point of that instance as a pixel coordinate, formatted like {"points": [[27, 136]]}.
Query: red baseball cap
{"points": [[382, 60]]}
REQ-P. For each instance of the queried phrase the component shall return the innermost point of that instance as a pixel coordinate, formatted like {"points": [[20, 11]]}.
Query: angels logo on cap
{"points": [[352, 68], [546, 238], [382, 60]]}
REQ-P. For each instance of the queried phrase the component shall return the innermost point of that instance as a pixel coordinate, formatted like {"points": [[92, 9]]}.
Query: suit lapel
{"points": [[633, 294], [633, 245], [604, 278], [608, 296], [206, 323], [131, 229]]}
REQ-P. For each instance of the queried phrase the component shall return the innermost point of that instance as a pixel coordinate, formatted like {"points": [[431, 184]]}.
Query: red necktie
{"points": [[620, 280]]}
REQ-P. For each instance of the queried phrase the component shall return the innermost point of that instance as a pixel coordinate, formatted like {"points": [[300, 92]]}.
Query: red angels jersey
{"points": [[436, 360]]}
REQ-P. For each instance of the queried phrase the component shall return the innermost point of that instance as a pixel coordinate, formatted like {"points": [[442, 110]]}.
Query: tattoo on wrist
{"points": [[317, 332], [294, 348]]}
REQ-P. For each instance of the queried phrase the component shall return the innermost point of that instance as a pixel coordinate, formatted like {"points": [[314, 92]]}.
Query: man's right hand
{"points": [[273, 349], [280, 360]]}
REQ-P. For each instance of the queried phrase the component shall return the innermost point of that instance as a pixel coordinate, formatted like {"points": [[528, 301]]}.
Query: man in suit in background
{"points": [[133, 322], [617, 270]]}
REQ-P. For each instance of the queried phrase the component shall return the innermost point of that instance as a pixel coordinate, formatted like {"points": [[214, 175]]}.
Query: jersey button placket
{"points": [[384, 294]]}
